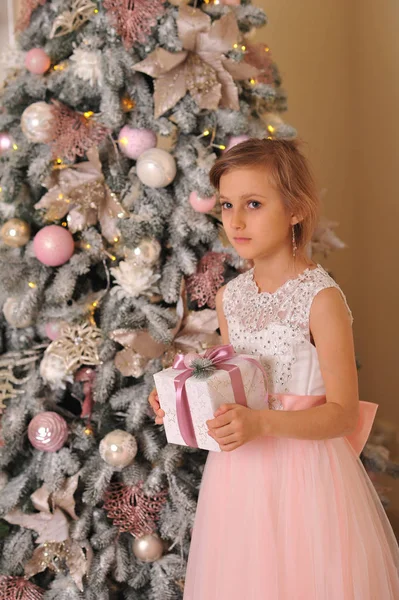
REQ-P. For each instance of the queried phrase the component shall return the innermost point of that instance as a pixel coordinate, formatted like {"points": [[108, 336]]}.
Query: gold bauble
{"points": [[15, 233]]}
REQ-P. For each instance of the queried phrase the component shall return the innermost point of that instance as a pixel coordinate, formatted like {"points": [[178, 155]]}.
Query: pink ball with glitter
{"points": [[134, 142], [236, 139], [202, 205], [37, 61], [48, 431], [53, 245]]}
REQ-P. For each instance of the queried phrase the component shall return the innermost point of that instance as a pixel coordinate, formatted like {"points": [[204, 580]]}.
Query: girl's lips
{"points": [[241, 239]]}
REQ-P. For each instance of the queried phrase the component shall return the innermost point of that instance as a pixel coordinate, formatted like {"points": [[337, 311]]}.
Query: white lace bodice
{"points": [[275, 328]]}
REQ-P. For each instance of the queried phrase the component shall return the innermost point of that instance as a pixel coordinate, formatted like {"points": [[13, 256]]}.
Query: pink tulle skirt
{"points": [[288, 519]]}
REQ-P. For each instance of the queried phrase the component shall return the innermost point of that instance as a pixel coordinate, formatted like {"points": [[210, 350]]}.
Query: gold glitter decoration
{"points": [[15, 233], [70, 20], [77, 345], [201, 68], [24, 360]]}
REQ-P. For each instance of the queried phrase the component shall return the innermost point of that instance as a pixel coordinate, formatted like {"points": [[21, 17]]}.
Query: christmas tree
{"points": [[111, 253]]}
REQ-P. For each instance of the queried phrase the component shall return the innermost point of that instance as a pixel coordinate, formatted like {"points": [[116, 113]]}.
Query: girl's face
{"points": [[257, 223]]}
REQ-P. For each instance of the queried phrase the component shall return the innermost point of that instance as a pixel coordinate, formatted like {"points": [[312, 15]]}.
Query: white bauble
{"points": [[118, 448], [37, 122], [156, 168], [13, 315]]}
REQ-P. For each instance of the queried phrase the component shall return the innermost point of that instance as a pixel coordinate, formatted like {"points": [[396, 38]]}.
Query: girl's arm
{"points": [[331, 329]]}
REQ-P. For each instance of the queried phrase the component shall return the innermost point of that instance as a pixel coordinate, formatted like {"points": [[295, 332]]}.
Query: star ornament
{"points": [[202, 69]]}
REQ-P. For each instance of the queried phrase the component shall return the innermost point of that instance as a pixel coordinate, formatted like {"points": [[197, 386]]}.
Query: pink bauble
{"points": [[48, 431], [37, 61], [52, 329], [5, 142], [134, 142], [53, 245], [236, 139], [201, 205]]}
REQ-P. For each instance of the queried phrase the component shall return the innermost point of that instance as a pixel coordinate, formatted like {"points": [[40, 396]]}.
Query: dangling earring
{"points": [[294, 246]]}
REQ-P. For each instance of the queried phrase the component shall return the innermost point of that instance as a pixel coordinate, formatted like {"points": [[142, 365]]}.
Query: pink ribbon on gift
{"points": [[367, 412], [218, 355]]}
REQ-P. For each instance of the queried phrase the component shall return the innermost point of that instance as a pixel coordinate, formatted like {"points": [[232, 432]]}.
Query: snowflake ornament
{"points": [[77, 346]]}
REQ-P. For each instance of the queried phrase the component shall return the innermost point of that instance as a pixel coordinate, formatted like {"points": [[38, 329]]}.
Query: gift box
{"points": [[193, 389]]}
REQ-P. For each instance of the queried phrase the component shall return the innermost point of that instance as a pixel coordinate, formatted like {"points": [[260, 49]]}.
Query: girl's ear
{"points": [[295, 219]]}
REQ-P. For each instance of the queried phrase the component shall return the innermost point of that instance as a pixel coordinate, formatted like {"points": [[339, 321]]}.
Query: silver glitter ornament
{"points": [[37, 122], [146, 253], [118, 448]]}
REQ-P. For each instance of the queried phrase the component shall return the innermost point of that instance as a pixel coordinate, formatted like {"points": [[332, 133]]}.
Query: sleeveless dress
{"points": [[281, 518]]}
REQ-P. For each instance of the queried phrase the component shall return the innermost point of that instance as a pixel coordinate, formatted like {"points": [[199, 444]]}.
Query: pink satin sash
{"points": [[367, 412]]}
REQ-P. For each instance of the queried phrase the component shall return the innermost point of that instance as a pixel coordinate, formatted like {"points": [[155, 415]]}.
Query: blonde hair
{"points": [[291, 176]]}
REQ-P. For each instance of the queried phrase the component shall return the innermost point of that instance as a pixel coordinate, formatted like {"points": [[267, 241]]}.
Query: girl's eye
{"points": [[226, 205], [254, 202]]}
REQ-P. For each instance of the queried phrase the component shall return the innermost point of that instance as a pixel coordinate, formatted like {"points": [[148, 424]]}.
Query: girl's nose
{"points": [[236, 221]]}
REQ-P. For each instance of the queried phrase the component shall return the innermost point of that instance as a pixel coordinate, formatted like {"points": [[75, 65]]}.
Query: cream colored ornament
{"points": [[156, 168], [148, 548], [37, 123], [15, 233], [13, 315], [118, 448], [146, 253]]}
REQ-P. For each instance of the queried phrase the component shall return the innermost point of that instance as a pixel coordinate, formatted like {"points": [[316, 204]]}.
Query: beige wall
{"points": [[340, 66]]}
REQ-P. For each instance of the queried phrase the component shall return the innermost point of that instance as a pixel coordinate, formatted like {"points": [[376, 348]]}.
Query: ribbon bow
{"points": [[218, 357]]}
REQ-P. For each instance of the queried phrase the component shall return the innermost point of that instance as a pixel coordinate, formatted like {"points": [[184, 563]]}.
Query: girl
{"points": [[287, 511]]}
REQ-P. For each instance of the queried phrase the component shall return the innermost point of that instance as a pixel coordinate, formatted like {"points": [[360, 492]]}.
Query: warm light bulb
{"points": [[64, 223], [88, 114], [271, 128], [235, 45], [14, 147], [124, 141], [88, 246], [116, 239], [32, 284], [243, 48], [252, 81]]}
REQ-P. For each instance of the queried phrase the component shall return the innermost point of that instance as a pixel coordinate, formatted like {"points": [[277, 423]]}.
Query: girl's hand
{"points": [[234, 425], [154, 401]]}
